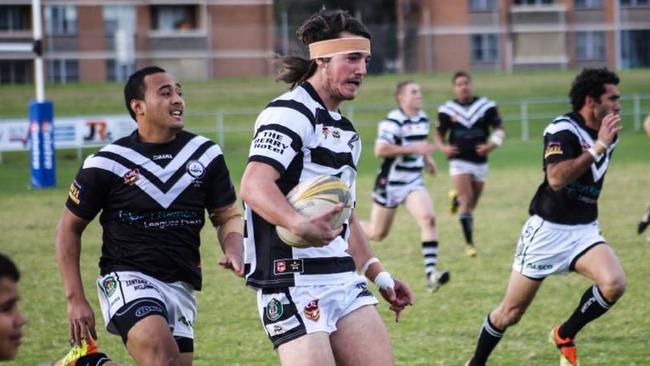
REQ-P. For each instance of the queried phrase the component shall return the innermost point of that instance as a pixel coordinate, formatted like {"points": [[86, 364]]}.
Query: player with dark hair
{"points": [[152, 189], [313, 306], [562, 233], [11, 318], [402, 143], [469, 128]]}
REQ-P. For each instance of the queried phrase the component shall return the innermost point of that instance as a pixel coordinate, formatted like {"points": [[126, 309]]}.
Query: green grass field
{"points": [[441, 328]]}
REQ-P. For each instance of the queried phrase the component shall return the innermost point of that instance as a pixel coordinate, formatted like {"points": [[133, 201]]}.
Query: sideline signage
{"points": [[42, 152]]}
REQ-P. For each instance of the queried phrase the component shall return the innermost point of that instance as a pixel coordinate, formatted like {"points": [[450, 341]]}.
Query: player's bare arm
{"points": [[562, 173], [230, 228], [386, 150], [68, 250], [495, 140], [447, 149], [259, 191]]}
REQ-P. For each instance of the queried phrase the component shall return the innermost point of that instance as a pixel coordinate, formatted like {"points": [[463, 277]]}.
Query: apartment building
{"points": [[524, 34], [95, 40]]}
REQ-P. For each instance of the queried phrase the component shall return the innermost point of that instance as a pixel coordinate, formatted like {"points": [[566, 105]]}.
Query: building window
{"points": [[61, 20], [589, 4], [632, 3], [15, 18], [174, 18], [590, 46], [534, 2], [119, 17], [63, 71], [16, 71], [635, 49], [484, 48], [483, 5], [118, 72]]}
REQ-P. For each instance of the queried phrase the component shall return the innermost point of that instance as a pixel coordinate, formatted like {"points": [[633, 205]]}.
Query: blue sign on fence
{"points": [[42, 152]]}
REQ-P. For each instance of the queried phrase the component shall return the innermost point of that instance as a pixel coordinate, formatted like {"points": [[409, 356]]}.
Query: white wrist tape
{"points": [[594, 154], [384, 281], [366, 265], [497, 137]]}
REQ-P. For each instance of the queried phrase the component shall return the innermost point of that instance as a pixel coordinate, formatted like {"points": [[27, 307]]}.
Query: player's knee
{"points": [[613, 288], [427, 221], [505, 317], [379, 235]]}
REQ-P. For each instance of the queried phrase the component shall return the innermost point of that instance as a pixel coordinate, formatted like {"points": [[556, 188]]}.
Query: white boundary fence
{"points": [[93, 131]]}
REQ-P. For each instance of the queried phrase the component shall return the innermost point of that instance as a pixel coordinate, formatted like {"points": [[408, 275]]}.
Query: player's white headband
{"points": [[338, 46]]}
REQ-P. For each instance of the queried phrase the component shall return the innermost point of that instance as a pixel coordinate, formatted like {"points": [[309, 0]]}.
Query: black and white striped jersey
{"points": [[468, 125], [399, 129], [577, 203], [300, 138], [152, 199]]}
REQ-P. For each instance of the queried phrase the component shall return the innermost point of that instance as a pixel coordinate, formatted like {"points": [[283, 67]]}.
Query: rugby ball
{"points": [[312, 197]]}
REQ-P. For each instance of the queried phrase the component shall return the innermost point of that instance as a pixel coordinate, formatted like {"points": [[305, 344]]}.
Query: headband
{"points": [[338, 46]]}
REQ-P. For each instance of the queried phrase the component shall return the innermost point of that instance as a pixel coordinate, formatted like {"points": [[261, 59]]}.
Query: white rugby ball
{"points": [[314, 196]]}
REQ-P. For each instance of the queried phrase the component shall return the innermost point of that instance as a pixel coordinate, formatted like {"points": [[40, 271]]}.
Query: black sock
{"points": [[467, 222], [487, 340], [95, 359], [592, 305], [430, 254]]}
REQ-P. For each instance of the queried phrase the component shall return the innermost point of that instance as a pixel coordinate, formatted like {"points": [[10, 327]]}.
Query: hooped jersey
{"points": [[399, 129], [300, 138], [468, 125], [577, 203], [152, 199]]}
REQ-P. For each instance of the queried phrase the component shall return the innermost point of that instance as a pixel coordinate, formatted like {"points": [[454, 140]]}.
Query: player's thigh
{"points": [[419, 204], [150, 342], [381, 218], [601, 265], [313, 349], [362, 339]]}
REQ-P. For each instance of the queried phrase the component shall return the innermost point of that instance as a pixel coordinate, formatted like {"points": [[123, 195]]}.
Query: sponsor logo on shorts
{"points": [[274, 310], [146, 309], [187, 322], [110, 285], [364, 290], [277, 330], [312, 311], [539, 267]]}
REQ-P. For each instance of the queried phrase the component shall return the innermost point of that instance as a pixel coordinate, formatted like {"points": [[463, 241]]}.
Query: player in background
{"points": [[314, 308], [469, 128], [152, 188], [402, 143], [563, 233]]}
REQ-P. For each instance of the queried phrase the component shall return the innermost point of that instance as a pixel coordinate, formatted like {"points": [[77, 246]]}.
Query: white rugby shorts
{"points": [[392, 195], [479, 171], [121, 288], [292, 312], [547, 248]]}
